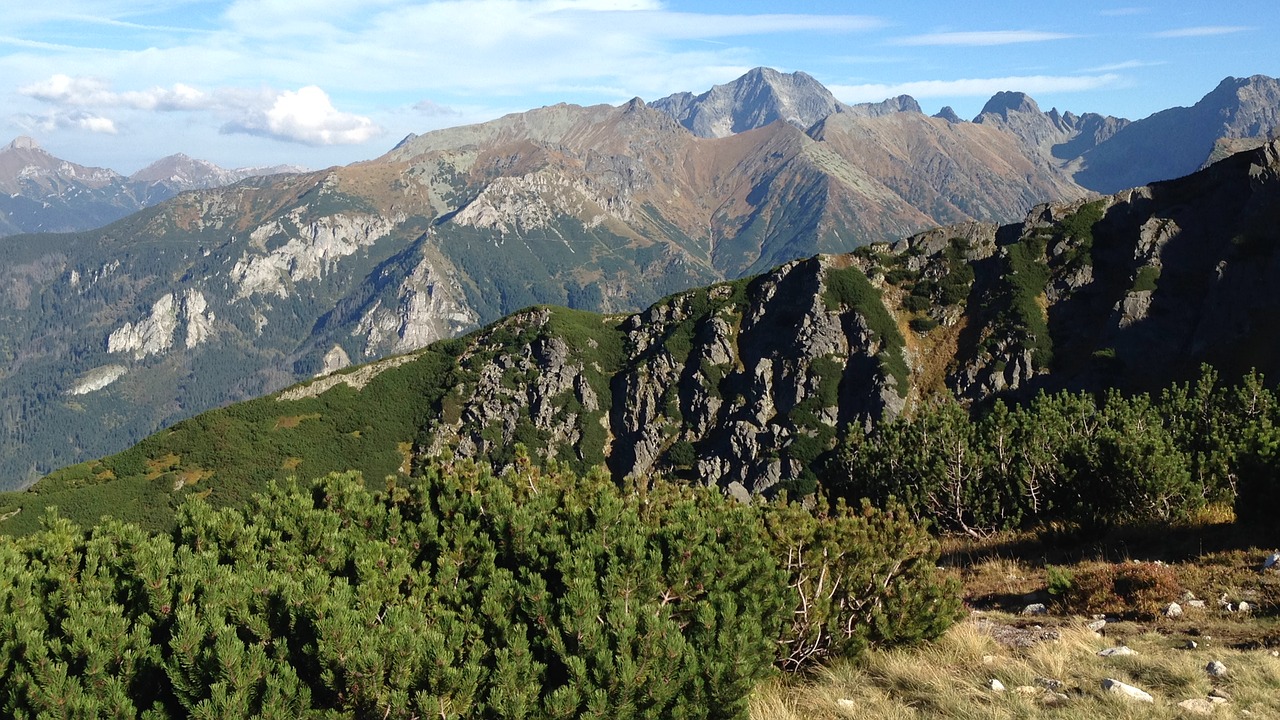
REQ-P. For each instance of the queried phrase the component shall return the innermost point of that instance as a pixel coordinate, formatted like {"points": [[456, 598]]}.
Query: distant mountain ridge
{"points": [[48, 194], [228, 293]]}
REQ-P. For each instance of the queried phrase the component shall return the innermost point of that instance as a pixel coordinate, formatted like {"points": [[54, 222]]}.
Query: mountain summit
{"points": [[760, 97]]}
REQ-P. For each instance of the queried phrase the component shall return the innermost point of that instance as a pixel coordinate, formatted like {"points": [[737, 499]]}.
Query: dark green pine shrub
{"points": [[537, 594]]}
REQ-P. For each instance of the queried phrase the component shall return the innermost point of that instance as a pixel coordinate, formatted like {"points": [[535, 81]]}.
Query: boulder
{"points": [[1198, 706], [1216, 669], [995, 685], [1117, 651], [1173, 610], [1035, 609], [1112, 685], [1054, 699]]}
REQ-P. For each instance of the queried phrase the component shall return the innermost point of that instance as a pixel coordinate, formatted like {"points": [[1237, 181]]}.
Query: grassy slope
{"points": [[371, 431], [950, 678]]}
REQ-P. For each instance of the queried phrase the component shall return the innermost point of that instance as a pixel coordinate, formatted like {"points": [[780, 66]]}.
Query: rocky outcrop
{"points": [[739, 385], [302, 250], [155, 334], [429, 306], [97, 379]]}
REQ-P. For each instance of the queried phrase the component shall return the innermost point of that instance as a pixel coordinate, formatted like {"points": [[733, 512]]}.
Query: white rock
{"points": [[1271, 562], [1198, 706], [1115, 686], [846, 704], [1035, 609], [1244, 607], [995, 685], [1097, 625], [1173, 610], [1198, 604], [1117, 651], [1188, 596], [97, 379], [1216, 669], [152, 335], [1191, 645]]}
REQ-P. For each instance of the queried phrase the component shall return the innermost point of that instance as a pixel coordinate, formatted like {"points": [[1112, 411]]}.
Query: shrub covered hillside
{"points": [[534, 594], [1075, 459]]}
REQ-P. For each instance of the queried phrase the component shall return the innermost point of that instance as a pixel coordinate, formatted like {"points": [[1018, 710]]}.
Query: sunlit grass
{"points": [[950, 678]]}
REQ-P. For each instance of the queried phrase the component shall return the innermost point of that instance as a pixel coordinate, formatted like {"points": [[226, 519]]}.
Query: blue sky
{"points": [[120, 83]]}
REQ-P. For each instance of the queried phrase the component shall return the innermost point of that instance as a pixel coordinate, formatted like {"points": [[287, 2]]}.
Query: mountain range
{"points": [[227, 293], [42, 193], [747, 384]]}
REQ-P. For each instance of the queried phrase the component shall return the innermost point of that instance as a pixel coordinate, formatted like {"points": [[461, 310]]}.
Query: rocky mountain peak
{"points": [[760, 97], [902, 103], [23, 142], [1003, 103], [1179, 140], [948, 114]]}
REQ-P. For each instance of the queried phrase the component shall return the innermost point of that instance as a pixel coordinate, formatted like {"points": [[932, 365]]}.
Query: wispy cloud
{"points": [[67, 120], [1126, 65], [1200, 31], [983, 37], [974, 87]]}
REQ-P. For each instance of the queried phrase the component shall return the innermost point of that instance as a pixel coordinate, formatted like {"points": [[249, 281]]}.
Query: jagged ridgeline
{"points": [[749, 385]]}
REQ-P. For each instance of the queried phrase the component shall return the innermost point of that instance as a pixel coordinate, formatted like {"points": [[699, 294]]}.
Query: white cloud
{"points": [[82, 91], [1200, 31], [306, 116], [973, 87], [67, 120], [985, 37]]}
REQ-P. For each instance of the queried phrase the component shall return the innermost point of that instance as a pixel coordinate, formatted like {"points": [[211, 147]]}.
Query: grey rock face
{"points": [[760, 97]]}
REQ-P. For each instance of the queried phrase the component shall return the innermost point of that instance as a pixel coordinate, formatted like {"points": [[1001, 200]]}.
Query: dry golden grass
{"points": [[293, 421], [161, 465], [950, 679]]}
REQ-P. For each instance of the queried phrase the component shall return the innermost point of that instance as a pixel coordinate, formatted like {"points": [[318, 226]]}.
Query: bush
{"points": [[833, 556], [923, 324], [537, 594]]}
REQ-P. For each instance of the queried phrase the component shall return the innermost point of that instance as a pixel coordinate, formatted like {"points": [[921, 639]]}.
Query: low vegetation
{"points": [[535, 594], [1073, 459]]}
